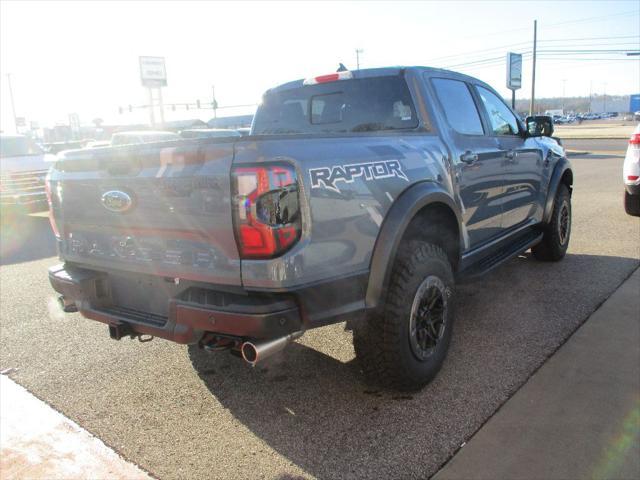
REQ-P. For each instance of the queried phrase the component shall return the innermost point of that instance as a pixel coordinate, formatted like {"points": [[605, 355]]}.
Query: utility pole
{"points": [[590, 94], [358, 52], [214, 104], [161, 107], [533, 74], [152, 117], [604, 97], [564, 83], [13, 106]]}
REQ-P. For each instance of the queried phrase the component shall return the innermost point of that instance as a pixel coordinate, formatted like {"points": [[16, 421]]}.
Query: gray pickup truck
{"points": [[358, 196]]}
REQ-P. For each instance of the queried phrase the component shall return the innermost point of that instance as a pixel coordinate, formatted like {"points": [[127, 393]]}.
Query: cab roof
{"points": [[380, 72]]}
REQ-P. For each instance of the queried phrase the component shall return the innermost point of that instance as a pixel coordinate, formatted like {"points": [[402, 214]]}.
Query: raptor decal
{"points": [[327, 177]]}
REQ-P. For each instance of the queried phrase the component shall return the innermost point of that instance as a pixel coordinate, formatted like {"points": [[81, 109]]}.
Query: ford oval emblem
{"points": [[117, 201]]}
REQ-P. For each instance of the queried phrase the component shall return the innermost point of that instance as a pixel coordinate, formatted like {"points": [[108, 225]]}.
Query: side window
{"points": [[503, 122], [459, 106]]}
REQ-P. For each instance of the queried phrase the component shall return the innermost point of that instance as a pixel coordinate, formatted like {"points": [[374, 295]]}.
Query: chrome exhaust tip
{"points": [[249, 353], [254, 352]]}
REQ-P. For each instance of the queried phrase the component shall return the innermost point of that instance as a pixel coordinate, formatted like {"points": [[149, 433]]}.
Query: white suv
{"points": [[631, 175]]}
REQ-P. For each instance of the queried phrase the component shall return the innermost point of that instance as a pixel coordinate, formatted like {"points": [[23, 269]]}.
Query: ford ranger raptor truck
{"points": [[358, 196]]}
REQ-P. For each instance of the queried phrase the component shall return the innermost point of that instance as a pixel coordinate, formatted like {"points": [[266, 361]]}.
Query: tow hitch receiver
{"points": [[119, 330]]}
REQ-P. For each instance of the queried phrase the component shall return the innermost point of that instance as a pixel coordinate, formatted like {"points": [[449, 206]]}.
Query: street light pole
{"points": [[564, 83], [214, 104], [604, 106], [13, 106], [358, 52]]}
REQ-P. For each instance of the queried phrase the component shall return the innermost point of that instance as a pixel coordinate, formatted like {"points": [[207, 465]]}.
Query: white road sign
{"points": [[153, 72], [514, 71]]}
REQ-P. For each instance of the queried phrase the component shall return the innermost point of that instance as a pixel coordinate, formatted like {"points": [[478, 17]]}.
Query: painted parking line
{"points": [[37, 442]]}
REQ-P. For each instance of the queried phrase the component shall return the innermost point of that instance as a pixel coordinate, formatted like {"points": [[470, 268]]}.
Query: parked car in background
{"points": [[23, 168], [631, 175], [57, 147], [97, 144], [142, 136], [209, 133]]}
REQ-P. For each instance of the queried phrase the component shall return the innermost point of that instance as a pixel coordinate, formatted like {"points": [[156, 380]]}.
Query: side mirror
{"points": [[539, 126]]}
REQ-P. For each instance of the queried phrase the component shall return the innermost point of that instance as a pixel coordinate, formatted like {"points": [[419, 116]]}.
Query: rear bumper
{"points": [[632, 189], [189, 315]]}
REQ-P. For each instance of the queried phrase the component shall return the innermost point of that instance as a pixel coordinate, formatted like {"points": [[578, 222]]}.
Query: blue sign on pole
{"points": [[634, 102]]}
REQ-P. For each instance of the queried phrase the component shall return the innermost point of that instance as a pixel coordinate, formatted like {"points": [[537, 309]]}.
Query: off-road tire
{"points": [[557, 232], [382, 341], [632, 204]]}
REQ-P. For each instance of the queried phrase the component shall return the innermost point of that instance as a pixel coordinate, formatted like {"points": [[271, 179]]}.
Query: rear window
{"points": [[359, 105]]}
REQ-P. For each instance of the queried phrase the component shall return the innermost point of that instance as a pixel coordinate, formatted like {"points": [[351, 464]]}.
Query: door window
{"points": [[458, 105], [503, 122]]}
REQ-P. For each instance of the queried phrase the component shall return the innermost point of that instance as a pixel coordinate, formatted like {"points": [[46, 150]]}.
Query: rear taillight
{"points": [[635, 139], [52, 220], [266, 210]]}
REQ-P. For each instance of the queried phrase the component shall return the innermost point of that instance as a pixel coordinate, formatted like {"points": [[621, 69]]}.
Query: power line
{"points": [[589, 59], [504, 47], [592, 19], [553, 25], [590, 38], [545, 52], [588, 45], [496, 60], [610, 50]]}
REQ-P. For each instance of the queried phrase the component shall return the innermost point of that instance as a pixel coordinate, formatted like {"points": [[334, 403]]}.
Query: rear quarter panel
{"points": [[347, 185]]}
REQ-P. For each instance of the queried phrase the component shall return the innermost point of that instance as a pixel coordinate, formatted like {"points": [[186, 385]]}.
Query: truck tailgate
{"points": [[162, 209]]}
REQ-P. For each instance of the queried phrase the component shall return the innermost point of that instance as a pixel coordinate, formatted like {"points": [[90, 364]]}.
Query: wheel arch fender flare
{"points": [[393, 228], [562, 173]]}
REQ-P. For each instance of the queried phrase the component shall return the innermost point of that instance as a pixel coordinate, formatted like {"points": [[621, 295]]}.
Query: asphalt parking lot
{"points": [[179, 412]]}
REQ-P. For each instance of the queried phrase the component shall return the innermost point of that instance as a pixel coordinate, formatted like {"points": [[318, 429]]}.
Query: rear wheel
{"points": [[404, 346], [632, 204], [557, 232]]}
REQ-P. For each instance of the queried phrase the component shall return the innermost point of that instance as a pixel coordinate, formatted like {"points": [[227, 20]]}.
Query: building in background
{"points": [[178, 125], [238, 121], [610, 103]]}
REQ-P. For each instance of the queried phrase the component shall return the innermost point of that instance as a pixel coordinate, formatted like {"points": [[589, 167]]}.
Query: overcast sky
{"points": [[82, 57]]}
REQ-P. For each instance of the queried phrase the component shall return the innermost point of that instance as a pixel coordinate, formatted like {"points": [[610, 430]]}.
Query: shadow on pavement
{"points": [[24, 238], [318, 412]]}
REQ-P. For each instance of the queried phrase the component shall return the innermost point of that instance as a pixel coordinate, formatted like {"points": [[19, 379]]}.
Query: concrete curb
{"points": [[621, 137], [571, 153], [597, 153], [37, 442], [578, 416]]}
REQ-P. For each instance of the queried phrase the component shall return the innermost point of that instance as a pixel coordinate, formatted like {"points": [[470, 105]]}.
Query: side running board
{"points": [[500, 255]]}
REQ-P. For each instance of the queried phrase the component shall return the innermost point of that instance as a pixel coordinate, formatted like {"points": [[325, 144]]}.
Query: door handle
{"points": [[469, 157], [510, 155]]}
